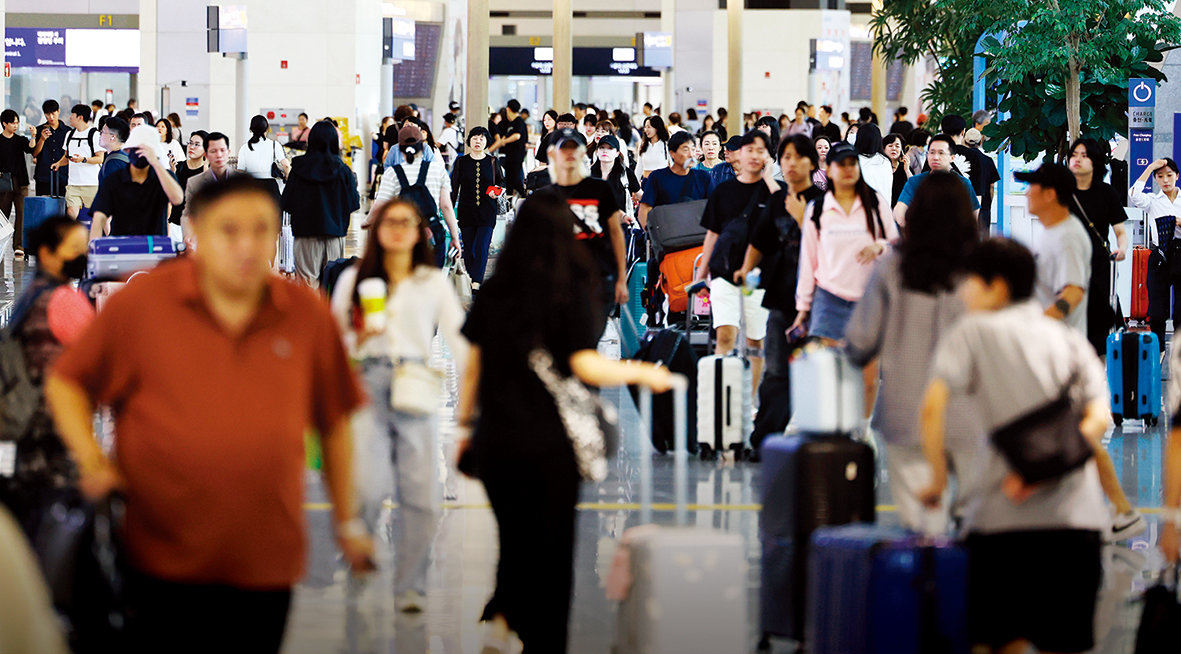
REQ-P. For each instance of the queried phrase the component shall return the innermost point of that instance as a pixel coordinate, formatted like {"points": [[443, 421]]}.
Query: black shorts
{"points": [[1039, 586]]}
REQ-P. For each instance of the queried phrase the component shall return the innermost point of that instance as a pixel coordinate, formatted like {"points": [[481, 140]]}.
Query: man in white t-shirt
{"points": [[1063, 255], [84, 157], [1063, 250], [449, 140]]}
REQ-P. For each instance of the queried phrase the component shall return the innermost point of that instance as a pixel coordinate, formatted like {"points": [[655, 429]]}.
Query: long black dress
{"points": [[521, 453]]}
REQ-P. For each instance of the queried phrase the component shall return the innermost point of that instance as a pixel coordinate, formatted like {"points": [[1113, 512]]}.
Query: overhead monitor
{"points": [[655, 49]]}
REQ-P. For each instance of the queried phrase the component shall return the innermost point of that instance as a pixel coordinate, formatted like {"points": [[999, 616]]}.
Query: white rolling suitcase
{"points": [[725, 403], [285, 257], [687, 590], [827, 392]]}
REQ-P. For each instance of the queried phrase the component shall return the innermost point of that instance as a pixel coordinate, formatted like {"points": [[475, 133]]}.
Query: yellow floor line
{"points": [[599, 506], [635, 506]]}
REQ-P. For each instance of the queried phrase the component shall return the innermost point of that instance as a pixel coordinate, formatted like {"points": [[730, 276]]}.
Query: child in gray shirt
{"points": [[1034, 568]]}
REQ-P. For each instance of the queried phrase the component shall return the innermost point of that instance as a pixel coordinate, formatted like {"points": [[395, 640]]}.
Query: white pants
{"points": [[725, 301]]}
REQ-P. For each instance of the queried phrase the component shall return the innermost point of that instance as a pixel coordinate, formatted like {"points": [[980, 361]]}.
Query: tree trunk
{"points": [[1073, 93]]}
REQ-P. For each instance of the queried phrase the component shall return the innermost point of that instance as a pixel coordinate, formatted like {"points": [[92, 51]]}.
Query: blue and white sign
{"points": [[34, 46], [1141, 105]]}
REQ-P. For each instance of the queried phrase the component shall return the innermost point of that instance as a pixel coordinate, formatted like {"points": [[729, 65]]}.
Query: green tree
{"points": [[909, 30], [1061, 65], [1073, 42]]}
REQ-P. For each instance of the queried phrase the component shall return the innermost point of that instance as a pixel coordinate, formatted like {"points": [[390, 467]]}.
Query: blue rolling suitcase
{"points": [[637, 279], [39, 208], [808, 482], [1134, 376], [120, 256], [882, 590]]}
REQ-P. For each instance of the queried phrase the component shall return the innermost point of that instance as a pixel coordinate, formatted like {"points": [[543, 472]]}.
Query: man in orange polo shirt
{"points": [[214, 369]]}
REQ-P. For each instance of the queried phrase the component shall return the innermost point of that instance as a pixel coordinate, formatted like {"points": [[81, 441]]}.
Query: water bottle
{"points": [[752, 281]]}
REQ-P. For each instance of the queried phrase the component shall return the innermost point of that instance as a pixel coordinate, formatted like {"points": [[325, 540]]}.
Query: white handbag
{"points": [[416, 388], [461, 281]]}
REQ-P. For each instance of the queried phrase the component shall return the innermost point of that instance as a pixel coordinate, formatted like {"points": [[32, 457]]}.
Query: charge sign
{"points": [[1141, 107]]}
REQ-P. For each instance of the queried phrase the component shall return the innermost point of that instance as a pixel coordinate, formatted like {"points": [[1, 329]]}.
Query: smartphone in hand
{"points": [[796, 335]]}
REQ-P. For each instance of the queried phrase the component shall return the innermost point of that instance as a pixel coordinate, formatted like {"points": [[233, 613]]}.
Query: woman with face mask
{"points": [[609, 165], [471, 178], [49, 316]]}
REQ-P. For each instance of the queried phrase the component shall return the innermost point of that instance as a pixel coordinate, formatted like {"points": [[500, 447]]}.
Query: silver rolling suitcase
{"points": [[725, 402], [688, 586]]}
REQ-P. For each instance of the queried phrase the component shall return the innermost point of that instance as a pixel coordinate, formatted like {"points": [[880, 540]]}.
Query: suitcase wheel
{"points": [[1153, 421], [1119, 420], [764, 643], [707, 453]]}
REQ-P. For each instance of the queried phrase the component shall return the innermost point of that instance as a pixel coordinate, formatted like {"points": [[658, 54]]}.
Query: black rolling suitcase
{"points": [[671, 349], [808, 482]]}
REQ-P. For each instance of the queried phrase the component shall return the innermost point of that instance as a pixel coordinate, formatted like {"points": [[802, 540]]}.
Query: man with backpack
{"points": [[111, 137], [84, 160], [427, 185]]}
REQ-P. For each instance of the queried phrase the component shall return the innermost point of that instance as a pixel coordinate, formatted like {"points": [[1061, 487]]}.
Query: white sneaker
{"points": [[410, 601], [1125, 526]]}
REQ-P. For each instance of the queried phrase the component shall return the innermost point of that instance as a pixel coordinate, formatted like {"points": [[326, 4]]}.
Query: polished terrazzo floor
{"points": [[327, 618]]}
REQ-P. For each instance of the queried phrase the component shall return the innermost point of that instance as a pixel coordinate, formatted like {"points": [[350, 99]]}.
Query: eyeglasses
{"points": [[400, 223]]}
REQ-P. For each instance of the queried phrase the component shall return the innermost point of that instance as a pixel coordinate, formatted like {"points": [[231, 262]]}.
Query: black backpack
{"points": [[89, 139], [331, 273], [418, 194]]}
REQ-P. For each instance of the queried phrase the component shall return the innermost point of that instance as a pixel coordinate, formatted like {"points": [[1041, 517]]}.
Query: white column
{"points": [[242, 95], [563, 54], [734, 64], [668, 23], [475, 108], [385, 103]]}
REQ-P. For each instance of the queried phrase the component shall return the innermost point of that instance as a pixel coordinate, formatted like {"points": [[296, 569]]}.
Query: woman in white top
{"points": [[174, 150], [400, 432], [1165, 203], [653, 153], [876, 168], [260, 152]]}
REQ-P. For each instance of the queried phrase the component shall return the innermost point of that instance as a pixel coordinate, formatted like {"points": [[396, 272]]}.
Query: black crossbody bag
{"points": [[1046, 443]]}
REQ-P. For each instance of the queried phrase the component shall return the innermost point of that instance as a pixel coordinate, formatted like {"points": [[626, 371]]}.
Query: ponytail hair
{"points": [[258, 130]]}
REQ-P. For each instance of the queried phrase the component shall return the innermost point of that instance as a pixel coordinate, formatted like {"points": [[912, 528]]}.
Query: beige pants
{"points": [[312, 252]]}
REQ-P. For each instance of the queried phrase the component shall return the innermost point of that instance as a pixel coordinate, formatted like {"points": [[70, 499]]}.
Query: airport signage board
{"points": [[588, 62], [1141, 105], [114, 50]]}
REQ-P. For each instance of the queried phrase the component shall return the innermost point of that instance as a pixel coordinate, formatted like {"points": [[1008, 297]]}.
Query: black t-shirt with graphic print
{"points": [[593, 204]]}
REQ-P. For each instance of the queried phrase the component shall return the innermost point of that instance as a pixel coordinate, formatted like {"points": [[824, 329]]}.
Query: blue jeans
{"points": [[408, 445], [830, 315], [476, 241]]}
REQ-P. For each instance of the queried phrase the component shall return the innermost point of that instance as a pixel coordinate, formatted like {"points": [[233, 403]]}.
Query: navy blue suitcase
{"points": [[809, 481], [38, 209], [881, 590]]}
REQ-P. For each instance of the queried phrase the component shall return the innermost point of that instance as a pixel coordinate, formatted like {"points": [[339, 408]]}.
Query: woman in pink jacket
{"points": [[844, 234]]}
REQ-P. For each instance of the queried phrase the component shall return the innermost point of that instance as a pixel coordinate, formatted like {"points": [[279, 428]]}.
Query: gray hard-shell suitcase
{"points": [[688, 590]]}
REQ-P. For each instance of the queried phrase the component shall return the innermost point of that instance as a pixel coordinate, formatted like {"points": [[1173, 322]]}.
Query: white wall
{"points": [[775, 57]]}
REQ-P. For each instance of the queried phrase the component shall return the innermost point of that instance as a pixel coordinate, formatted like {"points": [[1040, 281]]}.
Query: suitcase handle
{"points": [[680, 391]]}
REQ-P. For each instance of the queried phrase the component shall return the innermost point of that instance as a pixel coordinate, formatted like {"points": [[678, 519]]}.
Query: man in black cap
{"points": [[727, 169], [1063, 250], [599, 216]]}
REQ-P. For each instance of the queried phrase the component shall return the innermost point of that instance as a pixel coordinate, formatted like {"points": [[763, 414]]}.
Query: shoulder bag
{"points": [[276, 169], [1046, 443], [591, 426]]}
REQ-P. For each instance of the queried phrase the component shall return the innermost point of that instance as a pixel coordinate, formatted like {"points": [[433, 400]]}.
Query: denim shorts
{"points": [[830, 315]]}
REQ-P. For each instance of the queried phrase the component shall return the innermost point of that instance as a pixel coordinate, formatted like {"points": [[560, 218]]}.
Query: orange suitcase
{"points": [[676, 271], [1139, 309]]}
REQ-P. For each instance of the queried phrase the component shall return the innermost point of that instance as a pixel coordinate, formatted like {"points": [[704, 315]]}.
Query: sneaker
{"points": [[1125, 526], [19, 253], [410, 601]]}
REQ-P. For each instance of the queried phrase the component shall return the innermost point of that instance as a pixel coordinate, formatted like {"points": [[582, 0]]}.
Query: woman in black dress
{"points": [[893, 146], [542, 296], [471, 177]]}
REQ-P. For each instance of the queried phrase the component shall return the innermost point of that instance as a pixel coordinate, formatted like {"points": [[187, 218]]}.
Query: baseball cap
{"points": [[610, 141], [973, 136], [453, 106], [409, 134], [566, 135], [734, 144], [839, 152], [1051, 175]]}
